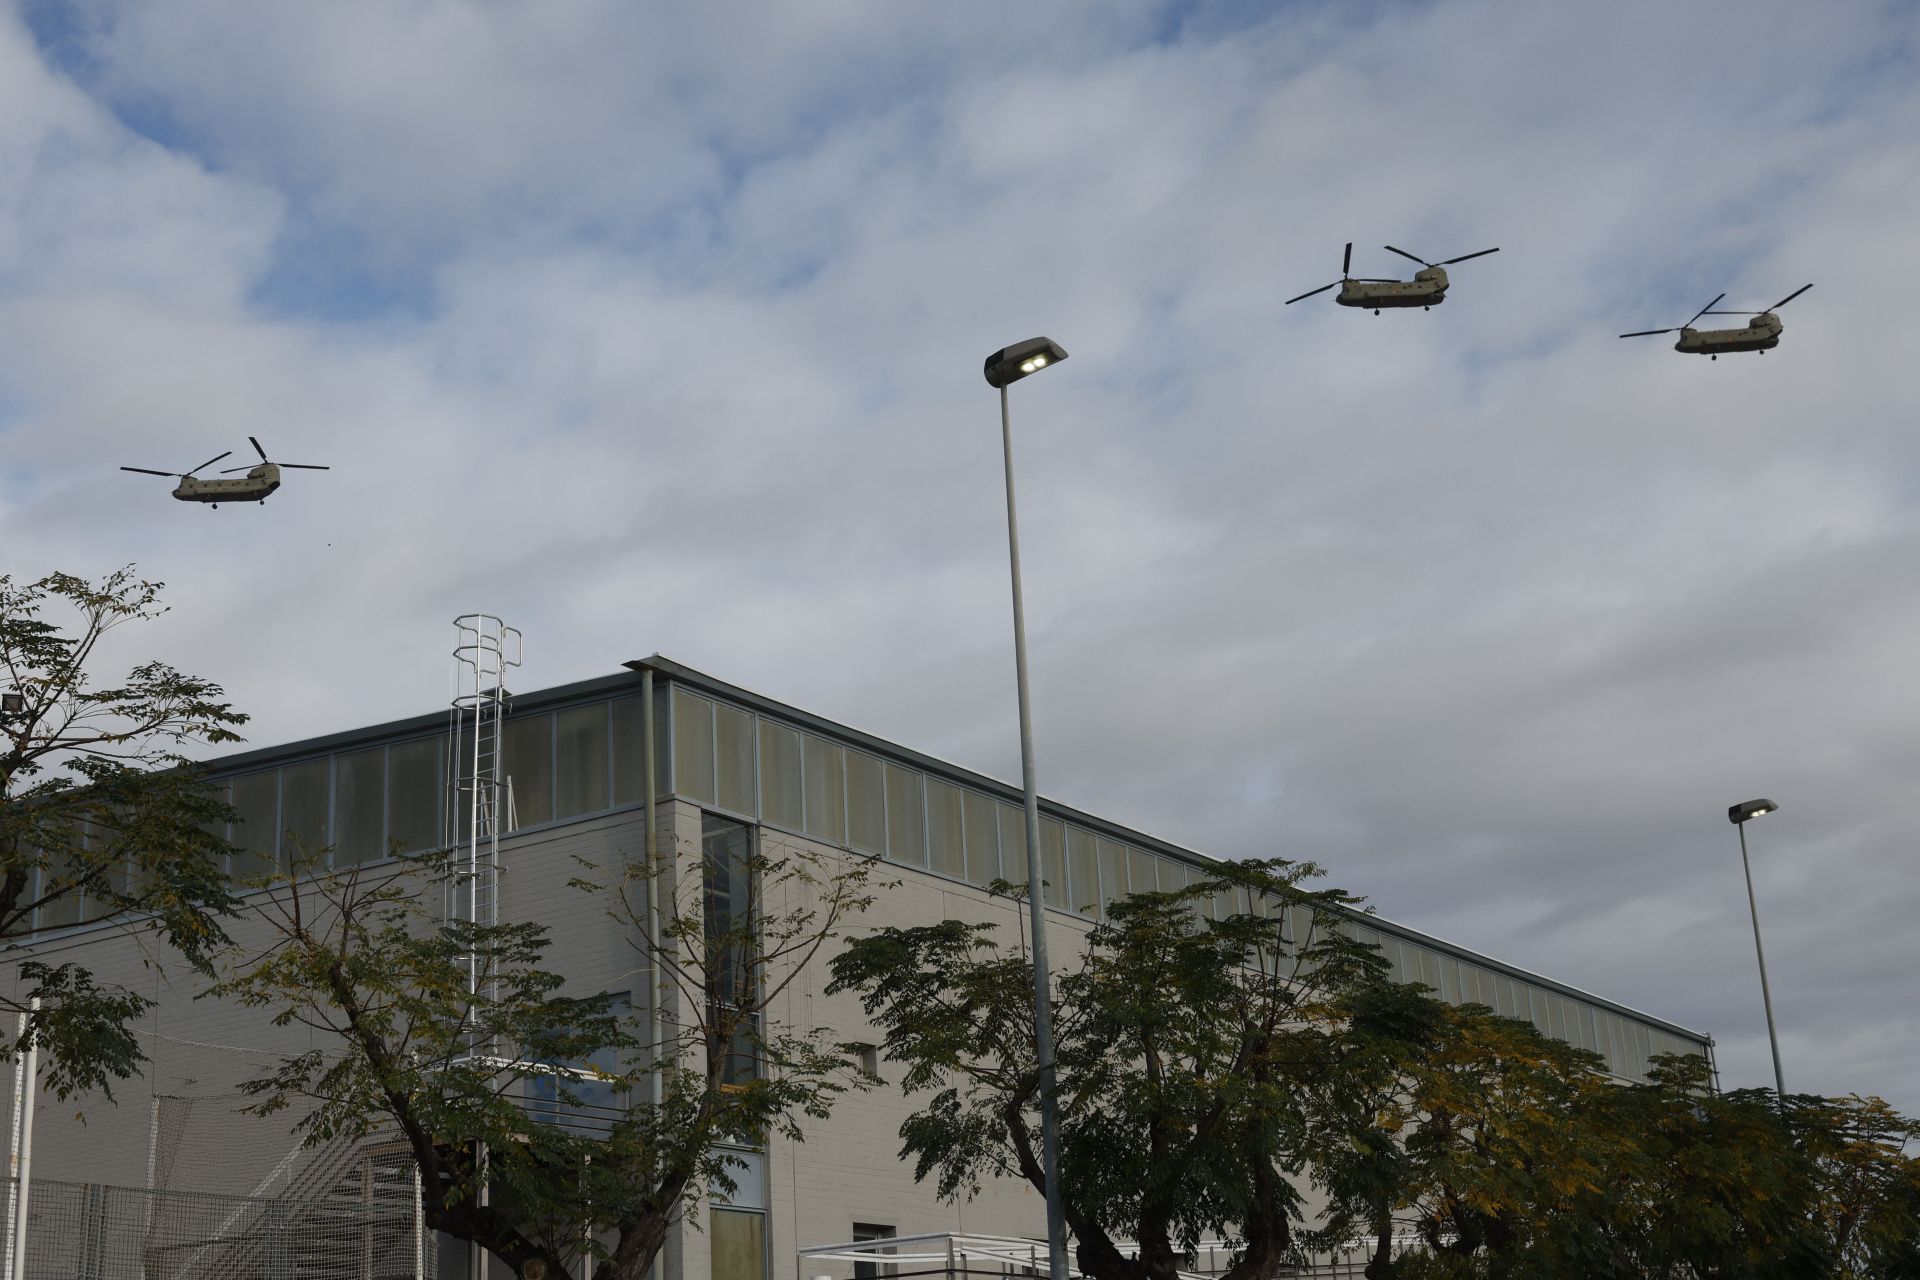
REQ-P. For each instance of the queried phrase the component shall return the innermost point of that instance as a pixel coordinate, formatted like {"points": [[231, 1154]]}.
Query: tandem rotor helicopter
{"points": [[261, 479], [1761, 333], [1426, 290]]}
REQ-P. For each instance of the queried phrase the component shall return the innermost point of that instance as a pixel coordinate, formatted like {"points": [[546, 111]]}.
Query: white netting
{"points": [[169, 1185]]}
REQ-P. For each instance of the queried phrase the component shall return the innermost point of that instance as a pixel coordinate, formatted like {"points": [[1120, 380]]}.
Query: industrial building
{"points": [[728, 764]]}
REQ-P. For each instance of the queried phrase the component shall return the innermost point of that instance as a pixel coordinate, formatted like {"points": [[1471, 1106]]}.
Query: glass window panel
{"points": [[946, 850], [415, 787], [1611, 1045], [99, 905], [1537, 1010], [630, 748], [1622, 1058], [1113, 872], [1406, 962], [1449, 979], [1141, 872], [1053, 861], [692, 746], [726, 850], [1013, 844], [1639, 1047], [359, 807], [733, 749], [1304, 929], [1083, 872], [65, 909], [739, 1244], [1476, 985], [866, 803], [256, 800], [779, 774], [1430, 969], [748, 1170], [906, 817], [303, 809], [526, 755], [1231, 901], [826, 790], [1588, 1028], [597, 1101], [983, 840], [580, 745]]}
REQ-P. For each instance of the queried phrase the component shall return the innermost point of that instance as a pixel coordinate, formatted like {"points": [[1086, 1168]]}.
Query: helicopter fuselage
{"points": [[254, 486], [1428, 288], [1762, 333]]}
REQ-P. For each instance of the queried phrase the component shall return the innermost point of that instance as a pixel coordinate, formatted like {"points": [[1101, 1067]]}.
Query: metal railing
{"points": [[951, 1255]]}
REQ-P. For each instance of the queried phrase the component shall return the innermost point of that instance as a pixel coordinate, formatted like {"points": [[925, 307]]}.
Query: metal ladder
{"points": [[480, 792]]}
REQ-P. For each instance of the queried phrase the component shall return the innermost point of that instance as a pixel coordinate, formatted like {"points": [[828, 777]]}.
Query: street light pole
{"points": [[1739, 815], [1008, 365]]}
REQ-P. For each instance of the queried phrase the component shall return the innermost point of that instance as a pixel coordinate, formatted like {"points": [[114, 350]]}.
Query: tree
{"points": [[102, 818], [1187, 1052], [1491, 1122], [1745, 1184], [467, 1071], [1865, 1206]]}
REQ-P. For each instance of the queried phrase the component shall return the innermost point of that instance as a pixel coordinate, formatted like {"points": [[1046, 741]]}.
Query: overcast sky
{"points": [[659, 328]]}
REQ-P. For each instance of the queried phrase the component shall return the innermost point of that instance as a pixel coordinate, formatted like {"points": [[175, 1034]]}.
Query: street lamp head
{"points": [[1010, 364], [1740, 813]]}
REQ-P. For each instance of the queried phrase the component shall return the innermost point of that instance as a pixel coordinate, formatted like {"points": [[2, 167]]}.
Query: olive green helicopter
{"points": [[1426, 290], [262, 478], [1761, 333]]}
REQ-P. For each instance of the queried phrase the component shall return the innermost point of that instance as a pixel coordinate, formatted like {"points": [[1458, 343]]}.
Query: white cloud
{"points": [[1487, 609]]}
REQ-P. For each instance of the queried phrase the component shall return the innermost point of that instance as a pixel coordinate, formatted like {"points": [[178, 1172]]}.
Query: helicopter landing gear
{"points": [[263, 502], [214, 505], [1426, 308], [1376, 311], [1713, 357]]}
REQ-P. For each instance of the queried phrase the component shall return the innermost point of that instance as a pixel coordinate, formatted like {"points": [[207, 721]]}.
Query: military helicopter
{"points": [[1758, 334], [1427, 289], [261, 479]]}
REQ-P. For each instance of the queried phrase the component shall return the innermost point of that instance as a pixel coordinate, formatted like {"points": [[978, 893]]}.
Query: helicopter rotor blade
{"points": [[1403, 253], [1463, 257], [257, 449], [1790, 297], [209, 462], [149, 471], [230, 470], [1378, 280], [1309, 293], [1645, 333], [304, 466], [1702, 311], [1346, 262]]}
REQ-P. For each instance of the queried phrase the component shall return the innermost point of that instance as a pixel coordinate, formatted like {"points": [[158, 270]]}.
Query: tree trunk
{"points": [[640, 1243], [1382, 1266], [1267, 1234]]}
